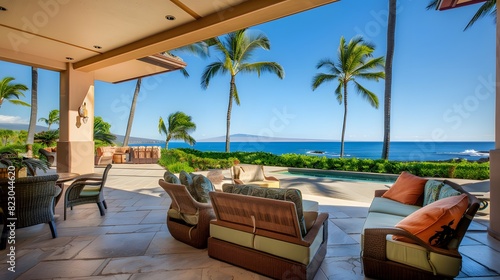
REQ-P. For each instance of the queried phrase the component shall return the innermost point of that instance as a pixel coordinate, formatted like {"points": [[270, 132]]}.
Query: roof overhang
{"points": [[116, 38], [450, 4]]}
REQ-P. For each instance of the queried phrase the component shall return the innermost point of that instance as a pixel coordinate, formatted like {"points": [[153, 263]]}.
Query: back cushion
{"points": [[431, 191], [407, 189], [169, 177], [202, 186], [293, 195], [187, 181], [436, 222]]}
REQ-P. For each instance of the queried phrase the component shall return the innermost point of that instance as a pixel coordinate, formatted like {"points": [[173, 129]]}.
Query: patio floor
{"points": [[132, 241]]}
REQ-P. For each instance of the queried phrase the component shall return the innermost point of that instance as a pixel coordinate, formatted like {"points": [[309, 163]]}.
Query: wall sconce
{"points": [[83, 113]]}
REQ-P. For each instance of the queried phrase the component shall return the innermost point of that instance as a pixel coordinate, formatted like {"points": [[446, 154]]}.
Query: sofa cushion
{"points": [[431, 191], [407, 189], [447, 191], [170, 177], [389, 206], [417, 256], [239, 237], [191, 219], [187, 181], [202, 186], [433, 219], [293, 195], [288, 250]]}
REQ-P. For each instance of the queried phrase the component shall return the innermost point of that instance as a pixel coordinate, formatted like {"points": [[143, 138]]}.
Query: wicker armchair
{"points": [[187, 219], [34, 203], [87, 189]]}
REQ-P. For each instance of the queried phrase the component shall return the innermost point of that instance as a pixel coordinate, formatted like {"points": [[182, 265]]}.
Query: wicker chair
{"points": [[34, 203], [187, 219], [87, 189]]}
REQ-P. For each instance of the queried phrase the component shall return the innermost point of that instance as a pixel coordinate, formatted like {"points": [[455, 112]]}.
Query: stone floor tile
{"points": [[353, 225], [192, 274], [63, 268], [117, 245], [342, 268], [337, 236], [343, 250]]}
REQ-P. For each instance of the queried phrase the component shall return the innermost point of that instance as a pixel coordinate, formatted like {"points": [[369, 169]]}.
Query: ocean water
{"points": [[403, 151]]}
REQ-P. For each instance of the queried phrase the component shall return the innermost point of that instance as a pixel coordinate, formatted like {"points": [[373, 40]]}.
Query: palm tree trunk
{"points": [[132, 111], [229, 108], [344, 123], [391, 30], [34, 105]]}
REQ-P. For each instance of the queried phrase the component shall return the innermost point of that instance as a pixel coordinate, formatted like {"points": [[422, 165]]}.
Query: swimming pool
{"points": [[342, 175]]}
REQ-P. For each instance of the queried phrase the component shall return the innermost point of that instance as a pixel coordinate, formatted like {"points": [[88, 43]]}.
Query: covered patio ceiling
{"points": [[120, 39]]}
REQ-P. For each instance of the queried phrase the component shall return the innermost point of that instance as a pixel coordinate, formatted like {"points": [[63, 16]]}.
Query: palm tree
{"points": [[179, 127], [34, 106], [53, 118], [488, 7], [354, 61], [236, 50], [102, 131], [391, 31], [9, 91], [5, 135], [200, 48]]}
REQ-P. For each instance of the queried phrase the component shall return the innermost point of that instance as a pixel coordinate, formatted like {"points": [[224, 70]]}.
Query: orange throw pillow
{"points": [[407, 189], [433, 218]]}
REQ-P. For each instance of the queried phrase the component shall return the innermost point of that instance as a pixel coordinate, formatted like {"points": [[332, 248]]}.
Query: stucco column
{"points": [[75, 149], [494, 229]]}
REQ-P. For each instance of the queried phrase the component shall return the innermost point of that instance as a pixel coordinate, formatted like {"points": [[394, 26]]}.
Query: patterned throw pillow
{"points": [[431, 191], [202, 186], [447, 191], [187, 181], [170, 177], [435, 223]]}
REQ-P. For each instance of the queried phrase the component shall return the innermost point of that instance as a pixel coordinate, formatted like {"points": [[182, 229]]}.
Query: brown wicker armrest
{"points": [[238, 182], [321, 220], [375, 243]]}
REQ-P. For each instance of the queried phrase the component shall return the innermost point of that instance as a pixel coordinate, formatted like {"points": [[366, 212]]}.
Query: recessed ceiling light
{"points": [[3, 8], [69, 58], [97, 47], [170, 17]]}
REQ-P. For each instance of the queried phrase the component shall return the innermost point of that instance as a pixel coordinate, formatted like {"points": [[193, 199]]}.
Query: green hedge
{"points": [[198, 160]]}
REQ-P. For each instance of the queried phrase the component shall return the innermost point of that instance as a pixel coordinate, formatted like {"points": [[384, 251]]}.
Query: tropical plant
{"points": [[32, 164], [354, 61], [102, 131], [5, 135], [235, 51], [9, 91], [178, 127], [488, 7], [199, 48], [34, 106], [391, 31], [48, 137], [52, 119]]}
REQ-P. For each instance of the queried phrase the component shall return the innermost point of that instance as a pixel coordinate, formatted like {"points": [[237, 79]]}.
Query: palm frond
{"points": [[367, 95], [210, 71], [321, 78], [488, 7]]}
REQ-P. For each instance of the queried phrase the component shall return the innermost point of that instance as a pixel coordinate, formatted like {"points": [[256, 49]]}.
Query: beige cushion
{"points": [[232, 235], [288, 250], [249, 173], [389, 206], [416, 256], [191, 219]]}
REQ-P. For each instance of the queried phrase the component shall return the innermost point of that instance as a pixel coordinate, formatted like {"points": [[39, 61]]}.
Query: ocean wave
{"points": [[470, 153], [324, 153]]}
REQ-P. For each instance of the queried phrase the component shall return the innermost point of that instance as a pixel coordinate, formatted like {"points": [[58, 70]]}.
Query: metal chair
{"points": [[87, 189]]}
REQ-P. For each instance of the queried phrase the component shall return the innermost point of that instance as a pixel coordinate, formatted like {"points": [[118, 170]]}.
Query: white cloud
{"points": [[12, 119]]}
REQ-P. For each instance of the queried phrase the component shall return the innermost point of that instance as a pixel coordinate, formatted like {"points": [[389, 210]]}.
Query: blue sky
{"points": [[443, 81]]}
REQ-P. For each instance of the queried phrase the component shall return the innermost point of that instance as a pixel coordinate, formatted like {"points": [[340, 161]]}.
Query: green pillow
{"points": [[431, 191], [170, 177], [187, 181], [202, 186], [447, 191]]}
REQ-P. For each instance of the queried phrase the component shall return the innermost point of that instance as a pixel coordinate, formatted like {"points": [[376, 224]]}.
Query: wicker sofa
{"points": [[417, 240], [267, 232], [107, 155]]}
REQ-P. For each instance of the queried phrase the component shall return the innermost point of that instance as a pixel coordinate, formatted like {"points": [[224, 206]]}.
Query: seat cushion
{"points": [[392, 207], [434, 222], [407, 189], [417, 256]]}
